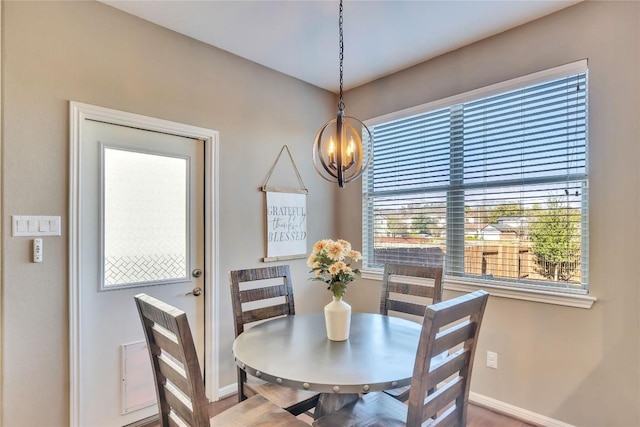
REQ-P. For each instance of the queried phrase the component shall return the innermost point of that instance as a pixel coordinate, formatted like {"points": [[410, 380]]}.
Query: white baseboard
{"points": [[227, 391], [514, 411]]}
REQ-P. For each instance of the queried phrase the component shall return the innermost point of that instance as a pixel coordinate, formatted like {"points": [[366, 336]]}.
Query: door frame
{"points": [[78, 113]]}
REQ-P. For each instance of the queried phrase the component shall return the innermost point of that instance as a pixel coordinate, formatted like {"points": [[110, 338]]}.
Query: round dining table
{"points": [[294, 351]]}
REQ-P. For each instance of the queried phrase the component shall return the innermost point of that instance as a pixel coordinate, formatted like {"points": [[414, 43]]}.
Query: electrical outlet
{"points": [[492, 360]]}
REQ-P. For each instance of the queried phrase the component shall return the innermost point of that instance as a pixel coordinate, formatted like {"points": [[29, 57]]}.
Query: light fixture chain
{"points": [[340, 22]]}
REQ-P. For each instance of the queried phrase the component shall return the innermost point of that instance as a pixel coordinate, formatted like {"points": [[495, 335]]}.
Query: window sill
{"points": [[568, 299]]}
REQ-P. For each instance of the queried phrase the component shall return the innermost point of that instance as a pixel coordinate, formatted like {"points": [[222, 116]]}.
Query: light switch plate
{"points": [[33, 225], [492, 360]]}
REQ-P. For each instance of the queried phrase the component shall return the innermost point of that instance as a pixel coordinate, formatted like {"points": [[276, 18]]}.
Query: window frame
{"points": [[541, 293]]}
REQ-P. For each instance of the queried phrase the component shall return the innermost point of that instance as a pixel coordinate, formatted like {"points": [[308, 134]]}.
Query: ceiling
{"points": [[300, 38]]}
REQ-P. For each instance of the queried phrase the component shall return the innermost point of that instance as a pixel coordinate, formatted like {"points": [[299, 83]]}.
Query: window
{"points": [[145, 218], [492, 184]]}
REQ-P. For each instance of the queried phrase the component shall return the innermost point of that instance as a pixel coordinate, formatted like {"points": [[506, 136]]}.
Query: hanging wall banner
{"points": [[286, 225], [286, 217]]}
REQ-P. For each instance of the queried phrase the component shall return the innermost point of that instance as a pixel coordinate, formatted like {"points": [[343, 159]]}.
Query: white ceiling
{"points": [[300, 38]]}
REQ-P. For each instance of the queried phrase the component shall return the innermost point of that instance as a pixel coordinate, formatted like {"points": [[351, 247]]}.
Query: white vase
{"points": [[337, 317]]}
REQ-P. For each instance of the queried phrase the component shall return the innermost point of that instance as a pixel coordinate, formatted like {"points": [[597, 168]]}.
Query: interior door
{"points": [[142, 203]]}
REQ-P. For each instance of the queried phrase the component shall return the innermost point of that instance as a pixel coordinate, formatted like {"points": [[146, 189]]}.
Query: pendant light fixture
{"points": [[339, 154]]}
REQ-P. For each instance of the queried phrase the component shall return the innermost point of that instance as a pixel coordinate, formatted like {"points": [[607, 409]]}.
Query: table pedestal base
{"points": [[331, 402]]}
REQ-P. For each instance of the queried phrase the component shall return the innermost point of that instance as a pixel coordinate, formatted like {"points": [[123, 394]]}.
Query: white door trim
{"points": [[78, 113]]}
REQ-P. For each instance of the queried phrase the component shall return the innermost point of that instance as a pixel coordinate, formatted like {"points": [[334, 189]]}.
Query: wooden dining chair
{"points": [[178, 379], [258, 294], [409, 298], [439, 391]]}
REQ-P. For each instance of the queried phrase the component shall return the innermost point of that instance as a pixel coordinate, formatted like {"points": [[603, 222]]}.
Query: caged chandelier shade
{"points": [[340, 153]]}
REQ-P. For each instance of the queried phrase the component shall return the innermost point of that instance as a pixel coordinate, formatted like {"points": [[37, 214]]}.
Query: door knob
{"points": [[196, 273], [196, 292]]}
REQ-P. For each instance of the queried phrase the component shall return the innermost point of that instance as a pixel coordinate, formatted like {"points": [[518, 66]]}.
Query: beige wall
{"points": [[574, 365], [578, 366], [54, 52]]}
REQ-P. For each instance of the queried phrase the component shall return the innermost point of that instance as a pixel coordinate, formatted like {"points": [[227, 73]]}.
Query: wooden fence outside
{"points": [[500, 261]]}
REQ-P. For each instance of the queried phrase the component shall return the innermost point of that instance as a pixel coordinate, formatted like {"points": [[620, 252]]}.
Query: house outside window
{"points": [[492, 184]]}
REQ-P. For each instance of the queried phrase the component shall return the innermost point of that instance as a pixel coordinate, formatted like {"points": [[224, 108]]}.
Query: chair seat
{"points": [[371, 410], [401, 394], [256, 411], [290, 399]]}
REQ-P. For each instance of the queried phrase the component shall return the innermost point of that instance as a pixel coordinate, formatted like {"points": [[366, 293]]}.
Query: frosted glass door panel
{"points": [[145, 218]]}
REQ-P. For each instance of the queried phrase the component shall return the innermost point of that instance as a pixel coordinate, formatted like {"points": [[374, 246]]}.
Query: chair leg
{"points": [[242, 377]]}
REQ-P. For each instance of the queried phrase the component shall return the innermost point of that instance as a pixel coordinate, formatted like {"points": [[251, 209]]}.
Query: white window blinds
{"points": [[492, 188]]}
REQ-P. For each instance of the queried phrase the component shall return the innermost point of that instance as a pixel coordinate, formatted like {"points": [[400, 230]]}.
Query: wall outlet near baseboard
{"points": [[492, 360]]}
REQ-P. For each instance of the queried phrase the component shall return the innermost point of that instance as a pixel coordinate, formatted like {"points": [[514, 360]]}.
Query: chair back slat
{"points": [[249, 295], [166, 341], [180, 404], [263, 313], [160, 314], [415, 270], [173, 372], [441, 392], [448, 418], [451, 365], [453, 336], [261, 273], [406, 307], [451, 312], [395, 288], [175, 421], [179, 386], [442, 398], [411, 289]]}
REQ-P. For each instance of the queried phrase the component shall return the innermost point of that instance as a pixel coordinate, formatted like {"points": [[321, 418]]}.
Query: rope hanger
{"points": [[302, 188]]}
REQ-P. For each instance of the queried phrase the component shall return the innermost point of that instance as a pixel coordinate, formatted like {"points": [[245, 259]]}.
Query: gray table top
{"points": [[294, 351]]}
